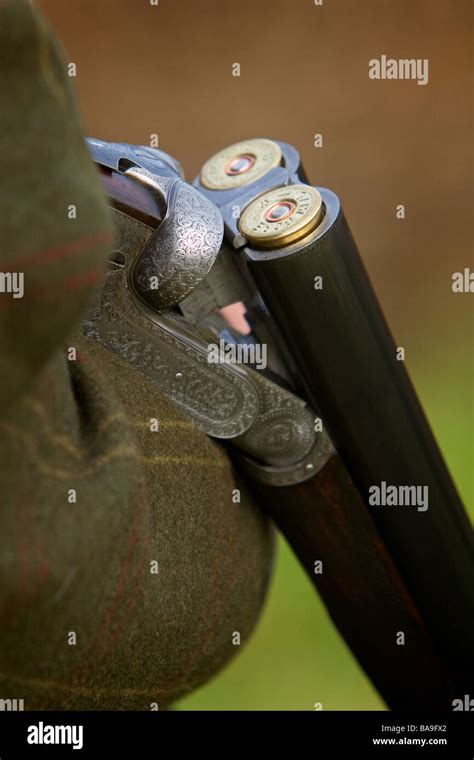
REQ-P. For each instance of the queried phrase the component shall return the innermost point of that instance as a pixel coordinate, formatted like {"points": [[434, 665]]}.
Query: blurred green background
{"points": [[167, 70]]}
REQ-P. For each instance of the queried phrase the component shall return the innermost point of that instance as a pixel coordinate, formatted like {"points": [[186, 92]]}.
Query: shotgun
{"points": [[244, 299]]}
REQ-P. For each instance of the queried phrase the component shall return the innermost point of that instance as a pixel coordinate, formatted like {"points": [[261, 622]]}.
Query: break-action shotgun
{"points": [[331, 419]]}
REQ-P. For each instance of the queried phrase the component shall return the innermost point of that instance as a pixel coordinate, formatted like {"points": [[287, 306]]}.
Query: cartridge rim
{"points": [[240, 164], [281, 216]]}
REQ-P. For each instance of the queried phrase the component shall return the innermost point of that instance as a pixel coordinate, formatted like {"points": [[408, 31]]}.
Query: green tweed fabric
{"points": [[126, 568]]}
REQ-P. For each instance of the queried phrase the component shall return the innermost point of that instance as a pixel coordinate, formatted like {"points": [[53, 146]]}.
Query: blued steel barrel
{"points": [[319, 294]]}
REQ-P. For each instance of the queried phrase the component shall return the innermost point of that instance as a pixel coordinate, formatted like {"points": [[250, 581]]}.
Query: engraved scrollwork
{"points": [[222, 403], [182, 250]]}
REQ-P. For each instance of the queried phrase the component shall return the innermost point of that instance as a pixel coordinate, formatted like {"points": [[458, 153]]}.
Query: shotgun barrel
{"points": [[296, 245], [347, 358]]}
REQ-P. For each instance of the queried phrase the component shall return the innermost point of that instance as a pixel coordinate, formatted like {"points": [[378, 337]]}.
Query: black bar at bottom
{"points": [[323, 734]]}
